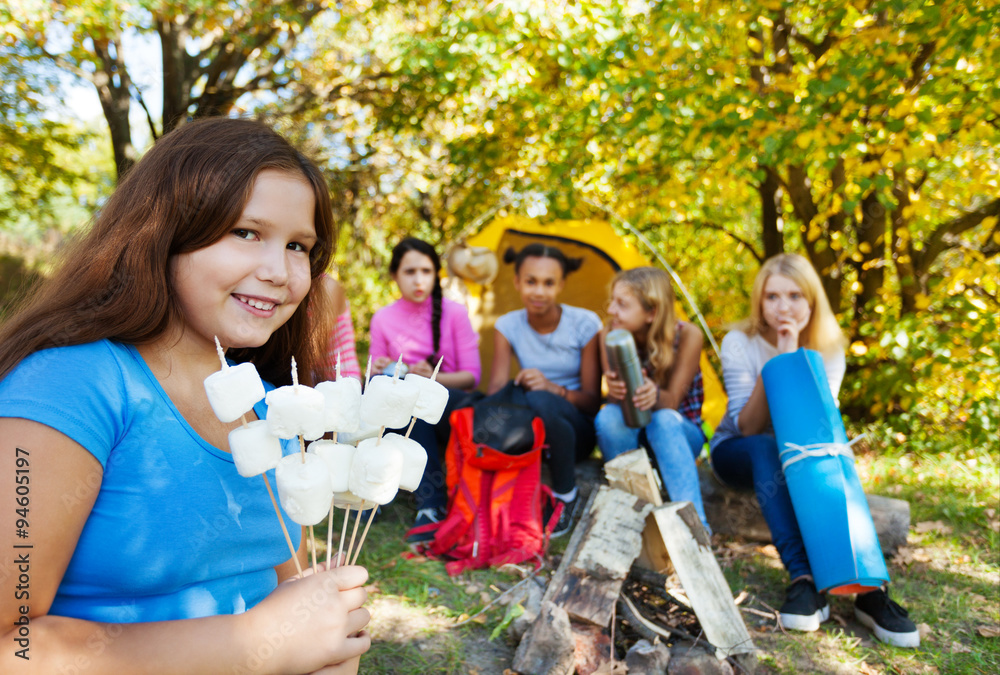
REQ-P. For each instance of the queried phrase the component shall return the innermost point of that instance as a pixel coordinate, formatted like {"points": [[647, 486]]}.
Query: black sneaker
{"points": [[804, 608], [890, 622], [565, 522], [425, 525]]}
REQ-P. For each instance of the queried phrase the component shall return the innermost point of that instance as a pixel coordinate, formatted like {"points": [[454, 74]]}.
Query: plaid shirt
{"points": [[690, 405]]}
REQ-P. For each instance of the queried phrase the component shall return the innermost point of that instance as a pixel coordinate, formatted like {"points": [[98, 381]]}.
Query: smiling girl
{"points": [[556, 348], [788, 310], [642, 302], [145, 540]]}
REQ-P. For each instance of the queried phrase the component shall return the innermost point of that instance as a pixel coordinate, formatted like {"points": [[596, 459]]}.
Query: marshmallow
{"points": [[375, 471], [233, 391], [414, 460], [304, 488], [432, 399], [343, 404], [338, 458], [388, 402], [254, 449], [349, 500], [295, 410], [364, 431]]}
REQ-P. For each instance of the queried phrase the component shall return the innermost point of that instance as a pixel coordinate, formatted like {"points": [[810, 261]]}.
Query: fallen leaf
{"points": [[769, 550], [865, 669], [839, 619], [932, 526], [959, 648], [988, 631], [924, 630], [904, 556]]}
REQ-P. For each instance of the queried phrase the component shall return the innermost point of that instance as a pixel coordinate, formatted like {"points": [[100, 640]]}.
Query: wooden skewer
{"points": [[312, 539], [288, 538], [343, 535], [354, 533], [329, 535], [364, 534]]}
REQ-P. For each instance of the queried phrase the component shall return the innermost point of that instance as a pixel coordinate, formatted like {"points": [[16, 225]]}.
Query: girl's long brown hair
{"points": [[183, 195]]}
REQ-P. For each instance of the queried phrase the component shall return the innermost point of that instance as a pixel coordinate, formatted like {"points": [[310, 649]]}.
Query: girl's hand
{"points": [[349, 667], [421, 368], [324, 618], [616, 386], [533, 380], [788, 334], [646, 395], [379, 364]]}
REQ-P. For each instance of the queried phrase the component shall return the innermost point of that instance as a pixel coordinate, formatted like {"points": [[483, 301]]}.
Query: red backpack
{"points": [[495, 492]]}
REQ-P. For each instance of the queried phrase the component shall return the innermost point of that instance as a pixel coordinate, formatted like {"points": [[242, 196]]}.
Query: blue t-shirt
{"points": [[175, 532], [557, 354]]}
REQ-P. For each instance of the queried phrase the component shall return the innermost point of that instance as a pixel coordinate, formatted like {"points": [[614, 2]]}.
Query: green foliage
{"points": [[933, 374], [34, 173]]}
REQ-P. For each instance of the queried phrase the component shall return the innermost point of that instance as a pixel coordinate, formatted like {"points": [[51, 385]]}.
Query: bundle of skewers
{"points": [[361, 471]]}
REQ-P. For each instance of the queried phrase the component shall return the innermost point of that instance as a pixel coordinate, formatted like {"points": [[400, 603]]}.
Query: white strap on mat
{"points": [[794, 452]]}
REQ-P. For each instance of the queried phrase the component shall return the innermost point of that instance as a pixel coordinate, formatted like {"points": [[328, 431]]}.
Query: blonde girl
{"points": [[642, 302], [788, 310]]}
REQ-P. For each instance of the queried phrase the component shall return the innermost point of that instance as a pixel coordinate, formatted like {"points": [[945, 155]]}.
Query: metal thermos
{"points": [[624, 360]]}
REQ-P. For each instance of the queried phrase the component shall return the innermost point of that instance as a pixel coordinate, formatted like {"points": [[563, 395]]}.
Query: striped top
{"points": [[342, 341], [743, 359]]}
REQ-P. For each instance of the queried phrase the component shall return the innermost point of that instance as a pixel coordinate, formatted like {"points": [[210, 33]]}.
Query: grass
{"points": [[948, 577]]}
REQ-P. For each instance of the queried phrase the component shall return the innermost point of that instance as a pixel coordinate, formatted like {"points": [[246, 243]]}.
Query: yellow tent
{"points": [[604, 253]]}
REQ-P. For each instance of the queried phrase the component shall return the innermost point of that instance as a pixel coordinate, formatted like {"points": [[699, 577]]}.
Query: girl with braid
{"points": [[425, 327]]}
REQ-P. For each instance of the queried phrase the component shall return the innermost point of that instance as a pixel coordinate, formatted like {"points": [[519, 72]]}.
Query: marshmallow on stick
{"points": [[375, 471], [254, 448], [296, 410], [388, 401], [349, 500], [342, 407], [414, 460], [431, 401], [304, 488], [233, 390], [338, 458]]}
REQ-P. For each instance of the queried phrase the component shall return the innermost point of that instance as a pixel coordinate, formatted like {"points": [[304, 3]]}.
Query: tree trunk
{"points": [[871, 247], [770, 206], [902, 249], [823, 258], [112, 83], [176, 76]]}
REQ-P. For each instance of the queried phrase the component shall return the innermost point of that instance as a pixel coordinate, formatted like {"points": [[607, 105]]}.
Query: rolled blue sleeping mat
{"points": [[829, 502]]}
